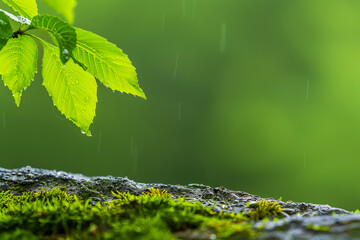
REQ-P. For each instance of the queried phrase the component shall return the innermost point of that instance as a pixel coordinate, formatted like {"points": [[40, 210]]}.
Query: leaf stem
{"points": [[39, 39], [22, 27]]}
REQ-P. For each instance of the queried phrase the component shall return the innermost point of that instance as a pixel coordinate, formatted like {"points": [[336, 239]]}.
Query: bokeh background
{"points": [[260, 96]]}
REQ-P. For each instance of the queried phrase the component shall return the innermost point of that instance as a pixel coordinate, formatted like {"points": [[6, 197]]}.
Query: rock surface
{"points": [[301, 220]]}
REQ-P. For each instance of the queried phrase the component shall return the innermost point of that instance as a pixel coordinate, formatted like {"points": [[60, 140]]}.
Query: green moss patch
{"points": [[265, 209], [155, 214]]}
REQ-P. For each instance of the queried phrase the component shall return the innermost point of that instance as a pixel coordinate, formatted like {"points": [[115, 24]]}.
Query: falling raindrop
{"points": [[176, 65], [163, 22], [307, 89], [134, 153], [99, 146], [131, 145], [184, 8], [158, 160], [223, 38]]}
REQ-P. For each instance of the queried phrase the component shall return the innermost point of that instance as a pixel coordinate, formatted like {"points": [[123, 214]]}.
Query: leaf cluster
{"points": [[70, 63]]}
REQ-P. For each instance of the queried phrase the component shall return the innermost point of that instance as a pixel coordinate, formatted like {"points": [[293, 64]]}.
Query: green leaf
{"points": [[107, 63], [5, 29], [26, 8], [18, 64], [64, 7], [73, 90], [63, 34]]}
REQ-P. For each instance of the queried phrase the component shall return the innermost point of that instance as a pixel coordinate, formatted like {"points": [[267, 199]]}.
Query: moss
{"points": [[18, 234], [155, 214], [17, 189], [318, 228], [265, 209]]}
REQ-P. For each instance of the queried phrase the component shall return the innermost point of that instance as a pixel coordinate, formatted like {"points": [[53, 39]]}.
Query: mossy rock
{"points": [[43, 204]]}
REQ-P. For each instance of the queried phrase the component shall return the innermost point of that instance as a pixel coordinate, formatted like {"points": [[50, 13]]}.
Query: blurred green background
{"points": [[255, 95]]}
